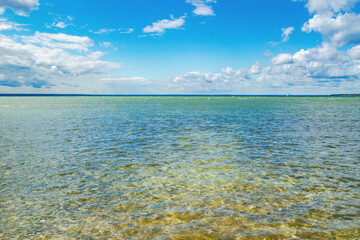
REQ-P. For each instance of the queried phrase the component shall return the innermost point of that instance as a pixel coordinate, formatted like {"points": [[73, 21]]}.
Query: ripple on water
{"points": [[179, 168]]}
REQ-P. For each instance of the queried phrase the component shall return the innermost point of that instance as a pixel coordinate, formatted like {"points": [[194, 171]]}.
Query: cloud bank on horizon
{"points": [[56, 59]]}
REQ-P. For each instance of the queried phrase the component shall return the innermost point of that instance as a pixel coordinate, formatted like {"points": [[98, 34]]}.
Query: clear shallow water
{"points": [[179, 168]]}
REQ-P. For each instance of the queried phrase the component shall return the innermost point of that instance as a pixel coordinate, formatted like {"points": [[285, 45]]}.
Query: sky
{"points": [[180, 46]]}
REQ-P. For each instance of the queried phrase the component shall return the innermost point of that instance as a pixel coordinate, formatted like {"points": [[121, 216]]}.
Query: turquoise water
{"points": [[179, 168]]}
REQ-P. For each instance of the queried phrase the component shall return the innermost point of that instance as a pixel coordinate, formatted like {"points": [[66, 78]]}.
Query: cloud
{"points": [[124, 79], [41, 66], [106, 44], [105, 31], [110, 30], [334, 20], [61, 22], [20, 7], [52, 62], [282, 58], [339, 30], [198, 82], [240, 73], [256, 68], [329, 6], [160, 26], [202, 8], [322, 69], [126, 30], [286, 33], [7, 25], [228, 80], [59, 40], [354, 52], [285, 36], [60, 25]]}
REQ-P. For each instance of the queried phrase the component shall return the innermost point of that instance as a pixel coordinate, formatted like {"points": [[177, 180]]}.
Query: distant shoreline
{"points": [[166, 95]]}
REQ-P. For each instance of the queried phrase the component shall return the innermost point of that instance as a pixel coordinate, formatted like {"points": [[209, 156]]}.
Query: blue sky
{"points": [[180, 46]]}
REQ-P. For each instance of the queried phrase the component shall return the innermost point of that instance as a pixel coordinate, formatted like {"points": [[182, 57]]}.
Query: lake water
{"points": [[179, 168]]}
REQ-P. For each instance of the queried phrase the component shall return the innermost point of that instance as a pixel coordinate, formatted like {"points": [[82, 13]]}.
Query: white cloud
{"points": [[160, 26], [43, 60], [110, 30], [105, 31], [284, 36], [256, 68], [60, 25], [20, 7], [240, 73], [59, 40], [106, 44], [324, 61], [329, 6], [126, 30], [124, 79], [354, 52], [7, 25], [198, 82], [323, 69], [309, 66], [339, 30], [334, 20], [228, 81], [282, 58], [325, 52], [62, 22], [286, 33], [201, 7], [39, 66]]}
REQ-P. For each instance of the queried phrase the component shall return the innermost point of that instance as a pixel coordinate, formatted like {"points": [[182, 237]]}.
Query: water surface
{"points": [[179, 168]]}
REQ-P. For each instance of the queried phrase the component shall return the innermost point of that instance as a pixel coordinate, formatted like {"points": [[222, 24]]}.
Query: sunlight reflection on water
{"points": [[179, 168]]}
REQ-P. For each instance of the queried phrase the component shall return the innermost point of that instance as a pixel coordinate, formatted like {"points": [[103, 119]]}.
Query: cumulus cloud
{"points": [[59, 40], [240, 73], [354, 52], [256, 68], [202, 7], [20, 7], [160, 26], [319, 69], [328, 6], [339, 30], [41, 66], [282, 58]]}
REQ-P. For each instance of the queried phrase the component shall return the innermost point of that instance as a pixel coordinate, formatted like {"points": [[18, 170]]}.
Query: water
{"points": [[179, 168]]}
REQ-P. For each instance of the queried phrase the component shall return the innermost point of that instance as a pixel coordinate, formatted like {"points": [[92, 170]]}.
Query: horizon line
{"points": [[168, 95]]}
